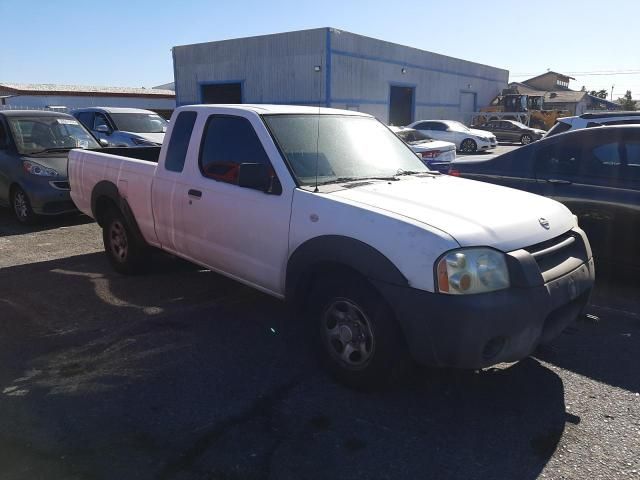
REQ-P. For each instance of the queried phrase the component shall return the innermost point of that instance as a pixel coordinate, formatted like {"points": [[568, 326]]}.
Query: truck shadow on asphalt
{"points": [[182, 373], [10, 226]]}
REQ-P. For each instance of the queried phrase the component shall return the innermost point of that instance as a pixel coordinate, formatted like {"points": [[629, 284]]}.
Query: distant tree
{"points": [[627, 101], [583, 89], [599, 93]]}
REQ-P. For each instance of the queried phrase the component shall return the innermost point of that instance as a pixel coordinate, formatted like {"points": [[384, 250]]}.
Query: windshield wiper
{"points": [[402, 172], [54, 149]]}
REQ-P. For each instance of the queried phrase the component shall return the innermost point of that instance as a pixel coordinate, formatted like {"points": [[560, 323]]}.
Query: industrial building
{"points": [[67, 97], [334, 68]]}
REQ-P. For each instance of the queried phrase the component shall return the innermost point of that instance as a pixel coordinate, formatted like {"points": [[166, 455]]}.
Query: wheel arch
{"points": [[105, 195], [336, 254]]}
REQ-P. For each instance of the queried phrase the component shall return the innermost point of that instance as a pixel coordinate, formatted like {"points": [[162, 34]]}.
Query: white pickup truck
{"points": [[389, 260]]}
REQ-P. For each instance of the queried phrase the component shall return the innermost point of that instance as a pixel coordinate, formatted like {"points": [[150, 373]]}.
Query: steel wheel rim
{"points": [[118, 241], [20, 205], [467, 146], [347, 334], [526, 139]]}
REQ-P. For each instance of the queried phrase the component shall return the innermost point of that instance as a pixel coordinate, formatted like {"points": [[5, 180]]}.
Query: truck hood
{"points": [[473, 213], [58, 162], [152, 137]]}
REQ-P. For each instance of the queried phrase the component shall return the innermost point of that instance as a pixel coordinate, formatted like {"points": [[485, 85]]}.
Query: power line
{"points": [[583, 74]]}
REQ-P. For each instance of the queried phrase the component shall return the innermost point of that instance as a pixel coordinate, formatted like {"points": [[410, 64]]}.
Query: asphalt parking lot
{"points": [[181, 373]]}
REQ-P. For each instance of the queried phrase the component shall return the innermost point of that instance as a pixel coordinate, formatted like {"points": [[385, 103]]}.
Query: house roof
{"points": [[564, 96], [526, 89], [549, 73], [83, 90]]}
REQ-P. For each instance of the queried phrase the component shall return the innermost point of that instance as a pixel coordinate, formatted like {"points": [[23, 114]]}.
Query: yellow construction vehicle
{"points": [[527, 109]]}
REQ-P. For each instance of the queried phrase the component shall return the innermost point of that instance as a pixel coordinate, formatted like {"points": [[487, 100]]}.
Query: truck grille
{"points": [[559, 255]]}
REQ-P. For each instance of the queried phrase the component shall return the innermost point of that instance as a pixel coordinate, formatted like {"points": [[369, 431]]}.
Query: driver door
{"points": [[240, 231]]}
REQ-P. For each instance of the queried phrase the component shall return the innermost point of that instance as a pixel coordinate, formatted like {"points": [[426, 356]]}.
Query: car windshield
{"points": [[139, 122], [457, 126], [337, 148], [39, 134]]}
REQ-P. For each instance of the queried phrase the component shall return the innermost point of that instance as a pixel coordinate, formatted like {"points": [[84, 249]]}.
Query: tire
{"points": [[127, 253], [526, 139], [468, 145], [358, 338], [21, 206]]}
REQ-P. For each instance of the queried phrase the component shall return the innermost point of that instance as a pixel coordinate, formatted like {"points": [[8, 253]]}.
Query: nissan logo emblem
{"points": [[544, 223]]}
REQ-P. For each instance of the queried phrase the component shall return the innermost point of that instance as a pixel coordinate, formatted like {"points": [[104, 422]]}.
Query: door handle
{"points": [[195, 193], [557, 181]]}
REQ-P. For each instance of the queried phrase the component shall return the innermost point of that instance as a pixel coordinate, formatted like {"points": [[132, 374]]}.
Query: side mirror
{"points": [[253, 175], [103, 129], [103, 142]]}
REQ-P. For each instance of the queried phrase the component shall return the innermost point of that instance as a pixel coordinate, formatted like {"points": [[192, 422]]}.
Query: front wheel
{"points": [[360, 341], [526, 139], [126, 253], [22, 206], [468, 146]]}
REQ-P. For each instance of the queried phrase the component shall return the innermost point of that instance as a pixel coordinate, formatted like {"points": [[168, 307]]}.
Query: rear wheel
{"points": [[526, 139], [22, 206], [127, 253], [359, 339], [468, 146]]}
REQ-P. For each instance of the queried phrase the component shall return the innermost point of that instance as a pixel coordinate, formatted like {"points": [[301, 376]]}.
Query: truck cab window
{"points": [[179, 143], [100, 120], [229, 141]]}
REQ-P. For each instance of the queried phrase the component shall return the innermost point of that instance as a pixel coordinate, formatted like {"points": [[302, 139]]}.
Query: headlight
{"points": [[36, 169], [472, 270]]}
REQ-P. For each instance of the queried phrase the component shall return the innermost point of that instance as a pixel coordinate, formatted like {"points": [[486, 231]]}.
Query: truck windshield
{"points": [[340, 147], [46, 133], [139, 122]]}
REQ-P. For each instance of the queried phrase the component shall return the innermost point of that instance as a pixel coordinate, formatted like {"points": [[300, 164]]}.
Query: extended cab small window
{"points": [[179, 143], [229, 141]]}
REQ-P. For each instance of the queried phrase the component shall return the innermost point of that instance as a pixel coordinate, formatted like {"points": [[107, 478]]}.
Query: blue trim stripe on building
{"points": [[411, 65], [327, 69]]}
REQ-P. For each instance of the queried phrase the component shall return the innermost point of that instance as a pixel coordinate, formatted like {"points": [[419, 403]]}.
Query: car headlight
{"points": [[472, 270], [36, 169]]}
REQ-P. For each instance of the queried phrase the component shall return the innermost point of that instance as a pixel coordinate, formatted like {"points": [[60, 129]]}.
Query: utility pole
{"points": [[612, 92]]}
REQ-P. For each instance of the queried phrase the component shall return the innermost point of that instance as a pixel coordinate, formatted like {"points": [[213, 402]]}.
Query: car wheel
{"points": [[468, 146], [526, 139], [126, 253], [359, 338], [22, 206]]}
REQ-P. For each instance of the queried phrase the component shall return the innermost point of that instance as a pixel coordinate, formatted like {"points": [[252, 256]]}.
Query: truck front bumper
{"points": [[477, 331]]}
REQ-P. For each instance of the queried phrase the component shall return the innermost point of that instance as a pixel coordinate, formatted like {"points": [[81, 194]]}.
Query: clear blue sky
{"points": [[127, 43]]}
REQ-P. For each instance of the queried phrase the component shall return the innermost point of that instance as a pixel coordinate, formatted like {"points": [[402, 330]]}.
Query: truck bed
{"points": [[150, 154], [130, 170]]}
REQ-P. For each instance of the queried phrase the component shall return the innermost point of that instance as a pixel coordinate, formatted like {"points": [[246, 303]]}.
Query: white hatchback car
{"points": [[467, 140], [431, 151]]}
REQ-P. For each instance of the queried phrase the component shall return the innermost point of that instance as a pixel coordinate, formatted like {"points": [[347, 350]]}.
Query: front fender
{"points": [[343, 251]]}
